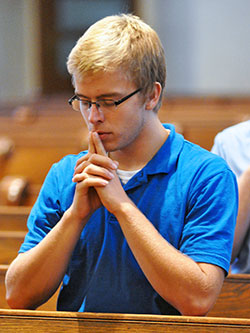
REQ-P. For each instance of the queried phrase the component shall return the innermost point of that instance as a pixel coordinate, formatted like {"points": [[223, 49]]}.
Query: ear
{"points": [[153, 98]]}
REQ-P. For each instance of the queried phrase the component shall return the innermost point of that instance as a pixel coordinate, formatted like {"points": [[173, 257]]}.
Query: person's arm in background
{"points": [[243, 218]]}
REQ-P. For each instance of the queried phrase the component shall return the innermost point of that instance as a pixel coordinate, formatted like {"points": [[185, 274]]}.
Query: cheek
{"points": [[132, 124]]}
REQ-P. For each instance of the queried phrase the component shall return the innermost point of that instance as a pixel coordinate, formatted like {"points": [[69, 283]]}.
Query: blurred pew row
{"points": [[32, 137]]}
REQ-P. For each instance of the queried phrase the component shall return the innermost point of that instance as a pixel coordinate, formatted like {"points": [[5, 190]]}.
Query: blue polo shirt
{"points": [[188, 194]]}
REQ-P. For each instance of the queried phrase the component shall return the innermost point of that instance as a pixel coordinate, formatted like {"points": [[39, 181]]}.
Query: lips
{"points": [[104, 135]]}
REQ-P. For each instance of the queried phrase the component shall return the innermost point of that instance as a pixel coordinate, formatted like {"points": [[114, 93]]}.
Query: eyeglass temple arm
{"points": [[127, 97]]}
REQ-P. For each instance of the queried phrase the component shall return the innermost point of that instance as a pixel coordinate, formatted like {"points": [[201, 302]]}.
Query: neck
{"points": [[146, 145]]}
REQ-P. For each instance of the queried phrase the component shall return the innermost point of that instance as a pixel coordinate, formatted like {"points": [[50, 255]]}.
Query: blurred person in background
{"points": [[233, 144]]}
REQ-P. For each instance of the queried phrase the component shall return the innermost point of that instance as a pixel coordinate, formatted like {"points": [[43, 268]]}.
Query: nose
{"points": [[95, 115]]}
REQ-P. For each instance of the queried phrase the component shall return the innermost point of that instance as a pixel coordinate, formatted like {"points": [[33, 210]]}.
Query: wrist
{"points": [[74, 217], [123, 209]]}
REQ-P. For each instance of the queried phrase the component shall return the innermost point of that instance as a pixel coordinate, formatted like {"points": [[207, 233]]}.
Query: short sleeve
{"points": [[210, 221], [45, 213]]}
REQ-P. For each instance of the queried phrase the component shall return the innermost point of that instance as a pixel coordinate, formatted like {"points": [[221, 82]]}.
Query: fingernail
{"points": [[116, 164], [111, 175]]}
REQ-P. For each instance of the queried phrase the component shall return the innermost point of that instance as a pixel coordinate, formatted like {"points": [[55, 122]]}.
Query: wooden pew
{"points": [[3, 303], [37, 147], [234, 299], [14, 218], [13, 228], [41, 142], [57, 131], [202, 118], [10, 242], [41, 321], [22, 196]]}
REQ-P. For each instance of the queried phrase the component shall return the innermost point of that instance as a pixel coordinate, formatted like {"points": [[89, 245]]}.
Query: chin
{"points": [[110, 148]]}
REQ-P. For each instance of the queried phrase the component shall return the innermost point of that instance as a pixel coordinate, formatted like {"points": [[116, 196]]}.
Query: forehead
{"points": [[101, 83]]}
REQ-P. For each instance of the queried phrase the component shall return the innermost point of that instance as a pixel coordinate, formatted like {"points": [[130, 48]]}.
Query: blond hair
{"points": [[121, 42]]}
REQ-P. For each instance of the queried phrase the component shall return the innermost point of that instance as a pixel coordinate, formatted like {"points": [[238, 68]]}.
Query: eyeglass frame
{"points": [[116, 103]]}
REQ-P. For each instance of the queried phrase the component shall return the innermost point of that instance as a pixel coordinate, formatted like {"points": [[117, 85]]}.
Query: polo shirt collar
{"points": [[164, 160], [166, 157]]}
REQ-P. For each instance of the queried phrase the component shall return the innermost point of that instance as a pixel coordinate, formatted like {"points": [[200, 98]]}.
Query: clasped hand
{"points": [[97, 181]]}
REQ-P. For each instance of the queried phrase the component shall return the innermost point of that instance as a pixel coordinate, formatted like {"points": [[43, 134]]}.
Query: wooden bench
{"points": [[201, 119], [55, 117], [38, 147], [233, 301], [10, 242], [22, 196], [57, 131], [41, 321], [3, 303], [41, 142], [14, 218]]}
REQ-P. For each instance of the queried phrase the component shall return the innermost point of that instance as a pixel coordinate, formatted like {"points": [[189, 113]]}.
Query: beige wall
{"points": [[19, 50], [207, 44]]}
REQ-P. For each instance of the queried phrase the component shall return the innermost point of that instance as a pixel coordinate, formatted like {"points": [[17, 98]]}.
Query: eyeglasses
{"points": [[83, 105]]}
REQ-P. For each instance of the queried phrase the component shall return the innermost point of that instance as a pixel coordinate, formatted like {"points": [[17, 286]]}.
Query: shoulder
{"points": [[201, 167], [189, 158], [198, 156]]}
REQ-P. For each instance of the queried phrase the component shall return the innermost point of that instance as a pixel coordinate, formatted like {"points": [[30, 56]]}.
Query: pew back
{"points": [[14, 218], [12, 320], [10, 242], [234, 299]]}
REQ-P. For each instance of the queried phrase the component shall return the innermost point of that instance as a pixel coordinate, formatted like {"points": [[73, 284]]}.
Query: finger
{"points": [[91, 147], [91, 150], [81, 160], [80, 166], [79, 177], [98, 144], [89, 181], [103, 161], [98, 171], [93, 170]]}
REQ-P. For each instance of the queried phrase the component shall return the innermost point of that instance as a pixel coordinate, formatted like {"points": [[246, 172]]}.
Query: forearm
{"points": [[35, 275], [176, 277]]}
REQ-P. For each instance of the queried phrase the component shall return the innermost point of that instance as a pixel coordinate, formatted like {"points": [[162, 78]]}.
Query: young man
{"points": [[143, 221]]}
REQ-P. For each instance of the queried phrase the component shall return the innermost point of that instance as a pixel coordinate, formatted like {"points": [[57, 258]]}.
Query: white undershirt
{"points": [[125, 176]]}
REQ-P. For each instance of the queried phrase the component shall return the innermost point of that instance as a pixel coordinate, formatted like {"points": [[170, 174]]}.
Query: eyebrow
{"points": [[114, 95]]}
